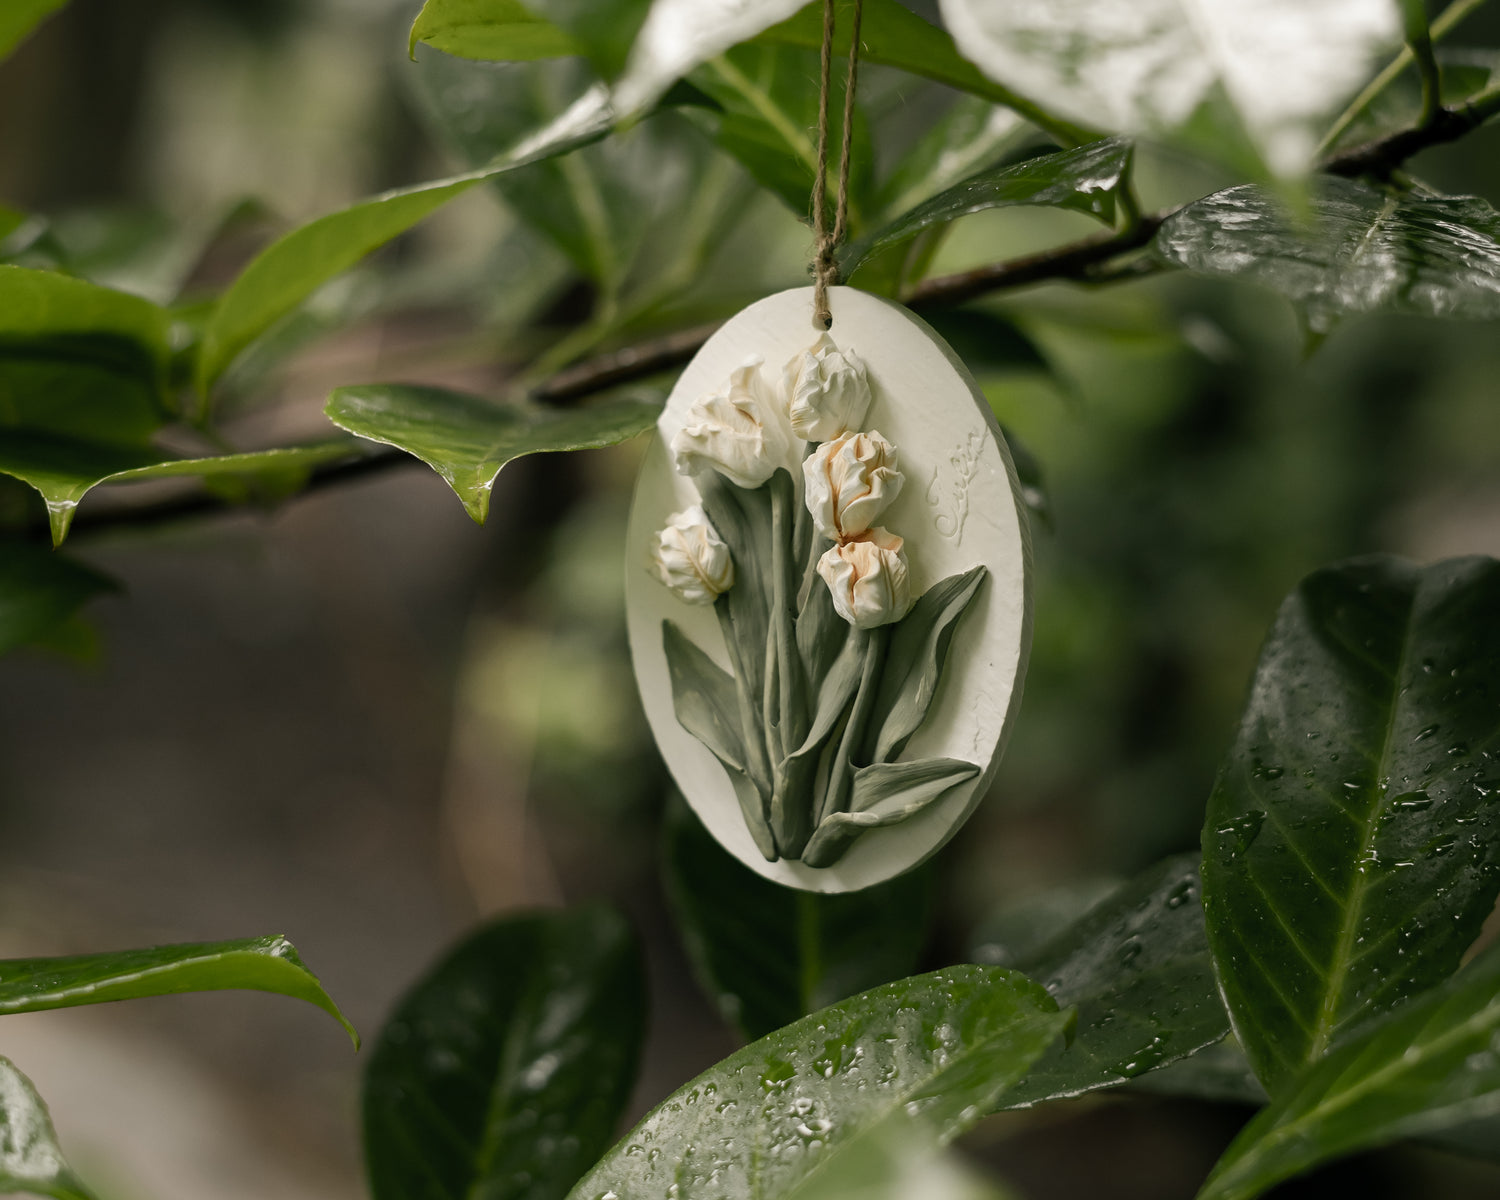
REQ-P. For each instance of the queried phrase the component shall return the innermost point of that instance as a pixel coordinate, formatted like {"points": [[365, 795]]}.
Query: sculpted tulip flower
{"points": [[849, 482], [740, 432], [828, 391], [691, 559], [867, 578]]}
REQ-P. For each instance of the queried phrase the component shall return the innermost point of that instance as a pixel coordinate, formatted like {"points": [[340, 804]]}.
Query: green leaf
{"points": [[64, 470], [1086, 180], [605, 30], [39, 309], [768, 954], [264, 964], [19, 17], [1220, 1072], [496, 30], [915, 658], [893, 36], [467, 439], [1252, 84], [934, 1050], [1138, 969], [1432, 1063], [31, 1161], [98, 389], [504, 1071], [885, 794], [293, 267], [40, 590], [971, 135], [1368, 251], [1351, 848]]}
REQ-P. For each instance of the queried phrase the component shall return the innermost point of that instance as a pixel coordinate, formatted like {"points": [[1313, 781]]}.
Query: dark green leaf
{"points": [[1368, 251], [1351, 849], [1086, 180], [914, 660], [40, 590], [769, 954], [1431, 1063], [1137, 968], [64, 470], [885, 794], [19, 17], [94, 388], [39, 309], [467, 439], [497, 30], [936, 1050], [266, 964], [31, 1161], [1220, 1072], [504, 1071]]}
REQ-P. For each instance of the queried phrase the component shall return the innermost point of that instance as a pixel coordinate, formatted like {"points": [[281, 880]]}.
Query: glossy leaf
{"points": [[467, 439], [64, 470], [31, 1161], [768, 954], [1138, 969], [1432, 1063], [1253, 83], [1351, 848], [503, 1073], [40, 308], [292, 268], [1086, 180], [19, 17], [1368, 251], [265, 964], [39, 590], [497, 30], [934, 1050]]}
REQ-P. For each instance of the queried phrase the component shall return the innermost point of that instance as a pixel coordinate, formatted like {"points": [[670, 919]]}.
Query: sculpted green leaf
{"points": [[1253, 83], [885, 794], [31, 1161], [467, 439], [1138, 969], [1432, 1063], [1086, 180], [19, 17], [496, 30], [1367, 251], [935, 1051], [769, 954], [504, 1072], [266, 964], [64, 470], [39, 590], [1351, 848]]}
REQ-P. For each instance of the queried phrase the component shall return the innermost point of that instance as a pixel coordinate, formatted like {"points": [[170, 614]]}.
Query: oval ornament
{"points": [[829, 635]]}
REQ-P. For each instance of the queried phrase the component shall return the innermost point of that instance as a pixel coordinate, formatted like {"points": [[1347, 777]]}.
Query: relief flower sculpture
{"points": [[834, 663]]}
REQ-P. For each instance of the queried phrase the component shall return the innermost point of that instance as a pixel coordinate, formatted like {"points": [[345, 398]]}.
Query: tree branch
{"points": [[1380, 158]]}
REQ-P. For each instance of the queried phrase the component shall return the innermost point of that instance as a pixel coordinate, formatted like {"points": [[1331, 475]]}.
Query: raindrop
{"points": [[1425, 733]]}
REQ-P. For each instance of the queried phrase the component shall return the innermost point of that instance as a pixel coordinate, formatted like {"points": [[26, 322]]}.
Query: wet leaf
{"points": [[467, 439], [31, 1161], [504, 1071], [1086, 180], [1137, 968], [64, 470], [1431, 1063], [769, 954], [1252, 84], [936, 1051], [40, 590], [1367, 251], [19, 17], [265, 964], [1351, 849]]}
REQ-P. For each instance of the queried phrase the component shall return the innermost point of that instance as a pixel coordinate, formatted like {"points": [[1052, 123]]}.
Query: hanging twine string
{"points": [[825, 262]]}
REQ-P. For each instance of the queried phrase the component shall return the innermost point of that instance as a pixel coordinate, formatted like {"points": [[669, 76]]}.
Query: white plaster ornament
{"points": [[827, 590]]}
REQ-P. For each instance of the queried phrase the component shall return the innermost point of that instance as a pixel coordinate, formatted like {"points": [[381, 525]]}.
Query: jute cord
{"points": [[825, 267]]}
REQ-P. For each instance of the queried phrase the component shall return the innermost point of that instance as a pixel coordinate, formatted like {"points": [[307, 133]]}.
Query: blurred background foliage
{"points": [[366, 721]]}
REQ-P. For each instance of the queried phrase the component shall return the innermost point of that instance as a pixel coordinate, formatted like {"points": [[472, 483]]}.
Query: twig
{"points": [[1382, 157]]}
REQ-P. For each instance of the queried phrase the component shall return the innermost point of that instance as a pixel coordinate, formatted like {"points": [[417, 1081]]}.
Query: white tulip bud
{"points": [[849, 482], [740, 432], [867, 578], [691, 559], [828, 391]]}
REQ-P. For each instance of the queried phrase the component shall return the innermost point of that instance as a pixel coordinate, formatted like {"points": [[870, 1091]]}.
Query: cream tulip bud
{"points": [[740, 432], [868, 579], [849, 482], [828, 391], [691, 559]]}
